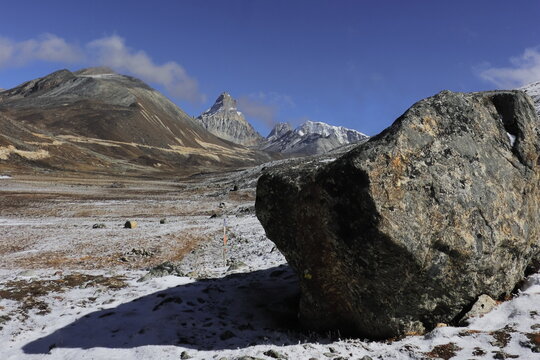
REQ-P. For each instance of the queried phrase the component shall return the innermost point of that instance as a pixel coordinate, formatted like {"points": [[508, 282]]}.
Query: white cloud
{"points": [[274, 98], [264, 106], [524, 69], [47, 47], [258, 110], [112, 51], [6, 51]]}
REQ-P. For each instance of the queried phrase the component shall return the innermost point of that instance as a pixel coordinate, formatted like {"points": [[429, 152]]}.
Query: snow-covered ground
{"points": [[233, 302]]}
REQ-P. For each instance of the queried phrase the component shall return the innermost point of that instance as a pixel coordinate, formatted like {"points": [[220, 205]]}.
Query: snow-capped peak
{"points": [[311, 137], [533, 90], [225, 102]]}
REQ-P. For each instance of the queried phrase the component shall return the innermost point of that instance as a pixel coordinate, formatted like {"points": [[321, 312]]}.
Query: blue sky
{"points": [[358, 64]]}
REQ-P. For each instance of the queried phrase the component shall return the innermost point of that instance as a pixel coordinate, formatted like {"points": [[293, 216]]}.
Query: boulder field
{"points": [[410, 228]]}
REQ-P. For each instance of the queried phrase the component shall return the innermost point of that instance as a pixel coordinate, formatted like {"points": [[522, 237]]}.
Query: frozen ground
{"points": [[71, 291]]}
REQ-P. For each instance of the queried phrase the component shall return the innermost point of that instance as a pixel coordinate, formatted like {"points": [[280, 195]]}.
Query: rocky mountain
{"points": [[410, 228], [99, 121], [309, 138], [225, 121], [533, 90]]}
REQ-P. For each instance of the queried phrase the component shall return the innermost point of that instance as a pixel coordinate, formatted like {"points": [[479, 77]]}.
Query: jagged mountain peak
{"points": [[224, 120], [224, 102], [279, 130]]}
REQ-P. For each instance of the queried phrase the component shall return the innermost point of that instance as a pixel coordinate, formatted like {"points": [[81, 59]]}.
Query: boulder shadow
{"points": [[235, 311]]}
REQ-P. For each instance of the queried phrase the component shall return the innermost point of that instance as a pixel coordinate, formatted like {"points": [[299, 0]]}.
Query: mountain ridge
{"points": [[224, 120], [97, 121], [310, 138]]}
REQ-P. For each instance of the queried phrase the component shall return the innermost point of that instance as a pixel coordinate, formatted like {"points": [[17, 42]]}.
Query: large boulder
{"points": [[410, 228]]}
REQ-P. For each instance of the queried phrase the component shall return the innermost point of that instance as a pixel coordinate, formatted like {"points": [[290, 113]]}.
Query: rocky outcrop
{"points": [[410, 228], [278, 131], [225, 121], [310, 138]]}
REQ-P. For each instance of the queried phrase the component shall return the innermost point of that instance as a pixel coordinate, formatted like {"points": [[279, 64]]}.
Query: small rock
{"points": [[235, 265], [478, 351], [502, 355], [482, 306], [164, 269], [27, 273], [130, 225], [140, 252], [4, 319], [234, 188], [213, 216], [366, 357], [184, 355], [99, 226], [274, 354], [162, 221]]}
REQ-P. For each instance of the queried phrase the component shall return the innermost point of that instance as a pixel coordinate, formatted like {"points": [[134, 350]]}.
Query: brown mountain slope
{"points": [[97, 121]]}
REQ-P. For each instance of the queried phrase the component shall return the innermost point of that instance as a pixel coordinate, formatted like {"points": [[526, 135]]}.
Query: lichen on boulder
{"points": [[408, 229]]}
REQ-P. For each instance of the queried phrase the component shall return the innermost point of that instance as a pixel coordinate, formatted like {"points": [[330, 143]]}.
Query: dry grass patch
{"points": [[445, 351]]}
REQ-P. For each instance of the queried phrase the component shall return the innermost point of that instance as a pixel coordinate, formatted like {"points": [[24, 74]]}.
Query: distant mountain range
{"points": [[95, 120], [224, 120], [310, 138]]}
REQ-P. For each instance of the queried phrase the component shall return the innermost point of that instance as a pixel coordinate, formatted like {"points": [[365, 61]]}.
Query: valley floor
{"points": [[74, 283]]}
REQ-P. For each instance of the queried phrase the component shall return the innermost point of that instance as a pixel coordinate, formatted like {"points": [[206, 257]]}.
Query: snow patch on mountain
{"points": [[310, 138], [533, 90]]}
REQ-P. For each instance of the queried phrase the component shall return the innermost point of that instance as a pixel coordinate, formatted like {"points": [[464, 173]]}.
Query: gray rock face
{"points": [[278, 131], [225, 121], [310, 138], [481, 307], [411, 227]]}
